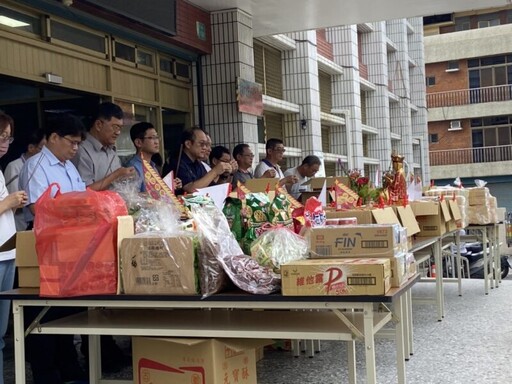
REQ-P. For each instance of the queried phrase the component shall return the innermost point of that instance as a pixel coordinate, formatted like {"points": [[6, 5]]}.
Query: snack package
{"points": [[314, 213], [256, 214], [277, 246], [244, 272], [345, 198], [280, 210], [233, 212]]}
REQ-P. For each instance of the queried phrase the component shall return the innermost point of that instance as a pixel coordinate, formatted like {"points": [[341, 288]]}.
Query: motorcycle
{"points": [[473, 252]]}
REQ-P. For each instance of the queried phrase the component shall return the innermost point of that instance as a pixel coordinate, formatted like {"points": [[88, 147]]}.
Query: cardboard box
{"points": [[201, 361], [373, 240], [407, 219], [431, 216], [26, 259], [261, 184], [456, 217], [317, 183], [158, 265], [478, 195], [336, 277], [367, 216]]}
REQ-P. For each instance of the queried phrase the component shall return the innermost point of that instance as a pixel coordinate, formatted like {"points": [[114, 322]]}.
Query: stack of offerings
{"points": [[350, 260], [482, 206], [461, 196]]}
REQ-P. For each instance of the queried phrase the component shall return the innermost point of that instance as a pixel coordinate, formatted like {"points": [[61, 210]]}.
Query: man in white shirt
{"points": [[36, 142], [303, 172], [270, 164]]}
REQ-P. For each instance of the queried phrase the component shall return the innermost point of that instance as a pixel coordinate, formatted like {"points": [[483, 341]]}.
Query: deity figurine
{"points": [[395, 182]]}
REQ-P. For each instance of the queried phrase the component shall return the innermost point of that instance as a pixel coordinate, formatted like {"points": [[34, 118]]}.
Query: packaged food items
{"points": [[256, 213], [280, 210], [314, 213], [233, 212], [345, 198], [277, 246]]}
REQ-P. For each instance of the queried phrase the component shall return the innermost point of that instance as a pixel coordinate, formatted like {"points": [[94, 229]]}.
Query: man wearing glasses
{"points": [[270, 164], [147, 142], [53, 357], [188, 166], [97, 160]]}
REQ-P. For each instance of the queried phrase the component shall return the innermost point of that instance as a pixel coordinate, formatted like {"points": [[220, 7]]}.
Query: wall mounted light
{"points": [[303, 124], [53, 79]]}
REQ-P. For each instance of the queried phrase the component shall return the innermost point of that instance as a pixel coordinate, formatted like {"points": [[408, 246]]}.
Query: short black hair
{"points": [[188, 133], [138, 131], [35, 137], [108, 110], [239, 149], [217, 152], [6, 120], [272, 143], [65, 124], [311, 160]]}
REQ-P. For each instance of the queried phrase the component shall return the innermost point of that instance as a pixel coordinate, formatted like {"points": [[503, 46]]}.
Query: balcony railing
{"points": [[469, 96], [471, 155]]}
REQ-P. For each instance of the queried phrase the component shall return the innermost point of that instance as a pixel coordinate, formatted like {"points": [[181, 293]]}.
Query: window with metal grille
{"points": [[326, 139], [324, 81], [267, 70]]}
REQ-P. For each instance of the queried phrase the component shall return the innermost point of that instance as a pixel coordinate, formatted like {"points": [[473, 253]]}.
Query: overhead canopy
{"points": [[271, 17]]}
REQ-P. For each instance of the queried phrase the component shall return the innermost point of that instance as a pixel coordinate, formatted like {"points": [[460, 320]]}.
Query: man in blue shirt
{"points": [[189, 168], [147, 142], [53, 358]]}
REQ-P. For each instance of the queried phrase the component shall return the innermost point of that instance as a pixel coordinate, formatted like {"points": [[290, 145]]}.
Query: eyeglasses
{"points": [[115, 127], [154, 138], [74, 143], [251, 155], [279, 149], [202, 144], [6, 139]]}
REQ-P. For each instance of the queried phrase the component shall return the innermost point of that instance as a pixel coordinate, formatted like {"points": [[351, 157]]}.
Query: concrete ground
{"points": [[471, 345]]}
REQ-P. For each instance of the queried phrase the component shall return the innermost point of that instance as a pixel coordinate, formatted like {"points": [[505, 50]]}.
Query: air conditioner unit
{"points": [[455, 125]]}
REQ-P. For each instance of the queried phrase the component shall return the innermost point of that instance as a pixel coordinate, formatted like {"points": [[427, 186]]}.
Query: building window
{"points": [[430, 81], [462, 23], [433, 138], [124, 52], [18, 21], [78, 37], [452, 65]]}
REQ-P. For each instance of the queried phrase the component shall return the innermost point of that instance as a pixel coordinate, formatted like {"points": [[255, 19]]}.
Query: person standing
{"points": [[97, 160], [309, 167], [53, 358], [8, 203], [274, 149], [36, 142], [189, 166], [221, 154], [147, 143]]}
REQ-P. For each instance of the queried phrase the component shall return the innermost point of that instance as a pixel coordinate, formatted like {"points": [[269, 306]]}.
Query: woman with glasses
{"points": [[8, 203]]}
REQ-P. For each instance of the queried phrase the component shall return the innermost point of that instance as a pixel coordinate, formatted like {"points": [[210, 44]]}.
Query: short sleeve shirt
{"points": [[136, 162], [190, 170], [265, 165], [43, 169], [95, 161]]}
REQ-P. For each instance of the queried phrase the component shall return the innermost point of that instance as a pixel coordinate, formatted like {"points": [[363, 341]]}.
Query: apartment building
{"points": [[349, 94], [469, 97]]}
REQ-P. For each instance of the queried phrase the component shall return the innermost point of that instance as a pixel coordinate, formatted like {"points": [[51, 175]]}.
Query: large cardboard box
{"points": [[336, 277], [373, 240], [478, 195], [431, 216], [26, 259], [262, 184], [317, 183], [191, 361], [367, 216], [456, 217], [407, 219], [158, 265]]}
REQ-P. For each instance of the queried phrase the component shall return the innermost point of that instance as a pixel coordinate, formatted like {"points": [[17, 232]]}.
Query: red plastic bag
{"points": [[76, 241]]}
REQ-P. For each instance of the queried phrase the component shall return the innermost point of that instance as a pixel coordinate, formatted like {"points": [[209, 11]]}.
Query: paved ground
{"points": [[471, 345]]}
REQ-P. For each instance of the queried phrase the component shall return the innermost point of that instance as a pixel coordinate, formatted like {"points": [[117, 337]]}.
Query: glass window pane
{"points": [[473, 63], [478, 138], [500, 75], [490, 137], [474, 78], [125, 52], [504, 136], [166, 66], [144, 58], [19, 21], [486, 77], [492, 60], [77, 36]]}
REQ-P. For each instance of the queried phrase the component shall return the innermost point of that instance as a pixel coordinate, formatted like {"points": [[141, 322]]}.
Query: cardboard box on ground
{"points": [[185, 361]]}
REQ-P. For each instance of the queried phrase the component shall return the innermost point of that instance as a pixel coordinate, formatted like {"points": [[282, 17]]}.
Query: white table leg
{"points": [[486, 260], [439, 280], [351, 354], [400, 340], [19, 343], [94, 359], [369, 344], [459, 262], [410, 336]]}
